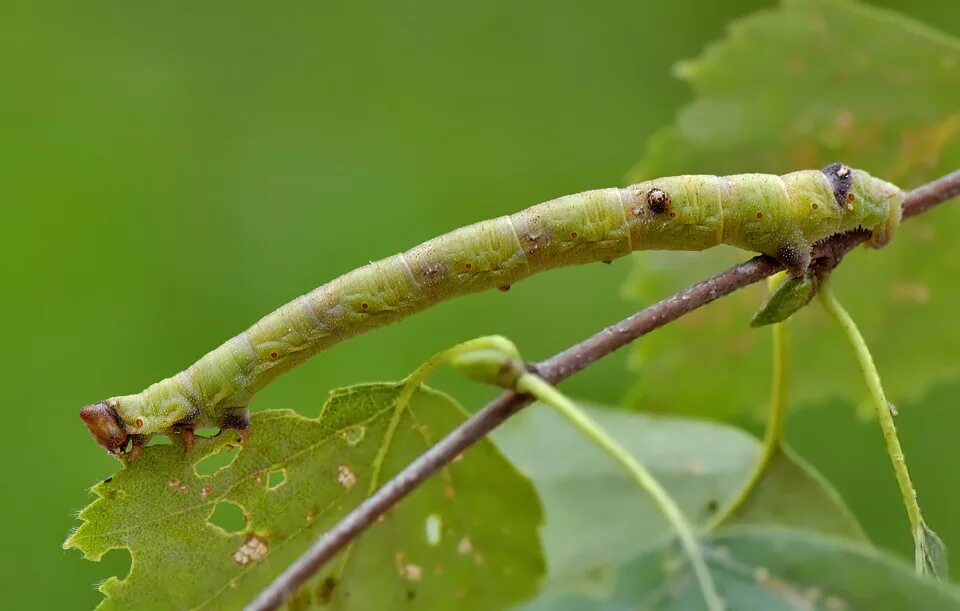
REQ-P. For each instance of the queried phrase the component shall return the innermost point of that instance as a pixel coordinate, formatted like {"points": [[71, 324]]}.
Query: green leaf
{"points": [[805, 84], [468, 535], [791, 493], [596, 518], [769, 569], [785, 300]]}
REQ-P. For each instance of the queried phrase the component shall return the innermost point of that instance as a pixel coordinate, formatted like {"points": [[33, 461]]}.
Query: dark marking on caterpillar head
{"points": [[105, 425], [658, 201], [841, 181]]}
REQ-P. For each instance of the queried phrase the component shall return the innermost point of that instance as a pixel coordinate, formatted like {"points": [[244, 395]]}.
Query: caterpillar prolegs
{"points": [[780, 216]]}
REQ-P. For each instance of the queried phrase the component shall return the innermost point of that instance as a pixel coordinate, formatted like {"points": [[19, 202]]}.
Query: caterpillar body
{"points": [[780, 216]]}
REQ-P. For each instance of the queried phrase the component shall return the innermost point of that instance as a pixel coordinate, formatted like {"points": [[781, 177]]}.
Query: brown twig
{"points": [[557, 368]]}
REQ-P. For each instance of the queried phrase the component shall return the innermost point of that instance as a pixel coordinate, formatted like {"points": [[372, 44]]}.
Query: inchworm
{"points": [[780, 216]]}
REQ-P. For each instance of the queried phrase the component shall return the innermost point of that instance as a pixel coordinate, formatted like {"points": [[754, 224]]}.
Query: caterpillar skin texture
{"points": [[780, 216]]}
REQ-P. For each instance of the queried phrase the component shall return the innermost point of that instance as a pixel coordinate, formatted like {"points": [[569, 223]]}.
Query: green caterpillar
{"points": [[780, 216]]}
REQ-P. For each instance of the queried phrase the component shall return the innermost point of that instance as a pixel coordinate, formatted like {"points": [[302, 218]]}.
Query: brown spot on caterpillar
{"points": [[851, 197], [364, 305], [658, 201], [841, 181], [273, 355], [814, 205], [573, 234], [139, 422], [607, 261], [468, 266], [503, 288], [759, 215], [673, 214]]}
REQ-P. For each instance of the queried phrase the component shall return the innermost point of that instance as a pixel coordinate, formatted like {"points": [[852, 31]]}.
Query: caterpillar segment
{"points": [[779, 216]]}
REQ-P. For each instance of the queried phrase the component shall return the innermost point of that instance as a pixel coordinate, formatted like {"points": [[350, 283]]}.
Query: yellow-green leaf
{"points": [[467, 536], [800, 86]]}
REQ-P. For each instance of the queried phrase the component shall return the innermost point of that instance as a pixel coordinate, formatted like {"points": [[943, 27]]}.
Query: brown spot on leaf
{"points": [[346, 477], [252, 550], [325, 591], [407, 570]]}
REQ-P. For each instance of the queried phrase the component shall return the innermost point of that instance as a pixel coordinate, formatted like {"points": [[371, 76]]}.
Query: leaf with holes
{"points": [[468, 536], [803, 85], [596, 518], [769, 569]]}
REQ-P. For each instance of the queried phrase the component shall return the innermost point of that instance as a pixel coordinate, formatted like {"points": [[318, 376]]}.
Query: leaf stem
{"points": [[773, 436], [546, 393], [882, 407]]}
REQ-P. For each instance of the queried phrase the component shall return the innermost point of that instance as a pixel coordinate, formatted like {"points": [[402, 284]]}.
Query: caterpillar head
{"points": [[105, 426], [871, 203]]}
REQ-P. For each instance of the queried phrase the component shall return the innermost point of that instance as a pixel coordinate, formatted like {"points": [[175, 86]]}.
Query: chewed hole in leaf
{"points": [[208, 465], [159, 440], [275, 479], [229, 517], [207, 432], [117, 562]]}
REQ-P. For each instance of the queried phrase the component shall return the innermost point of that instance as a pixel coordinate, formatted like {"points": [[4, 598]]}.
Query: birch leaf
{"points": [[468, 535], [800, 86], [597, 518], [769, 569]]}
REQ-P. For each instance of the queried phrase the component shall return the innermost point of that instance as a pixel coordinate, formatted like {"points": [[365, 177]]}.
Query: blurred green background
{"points": [[173, 171]]}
